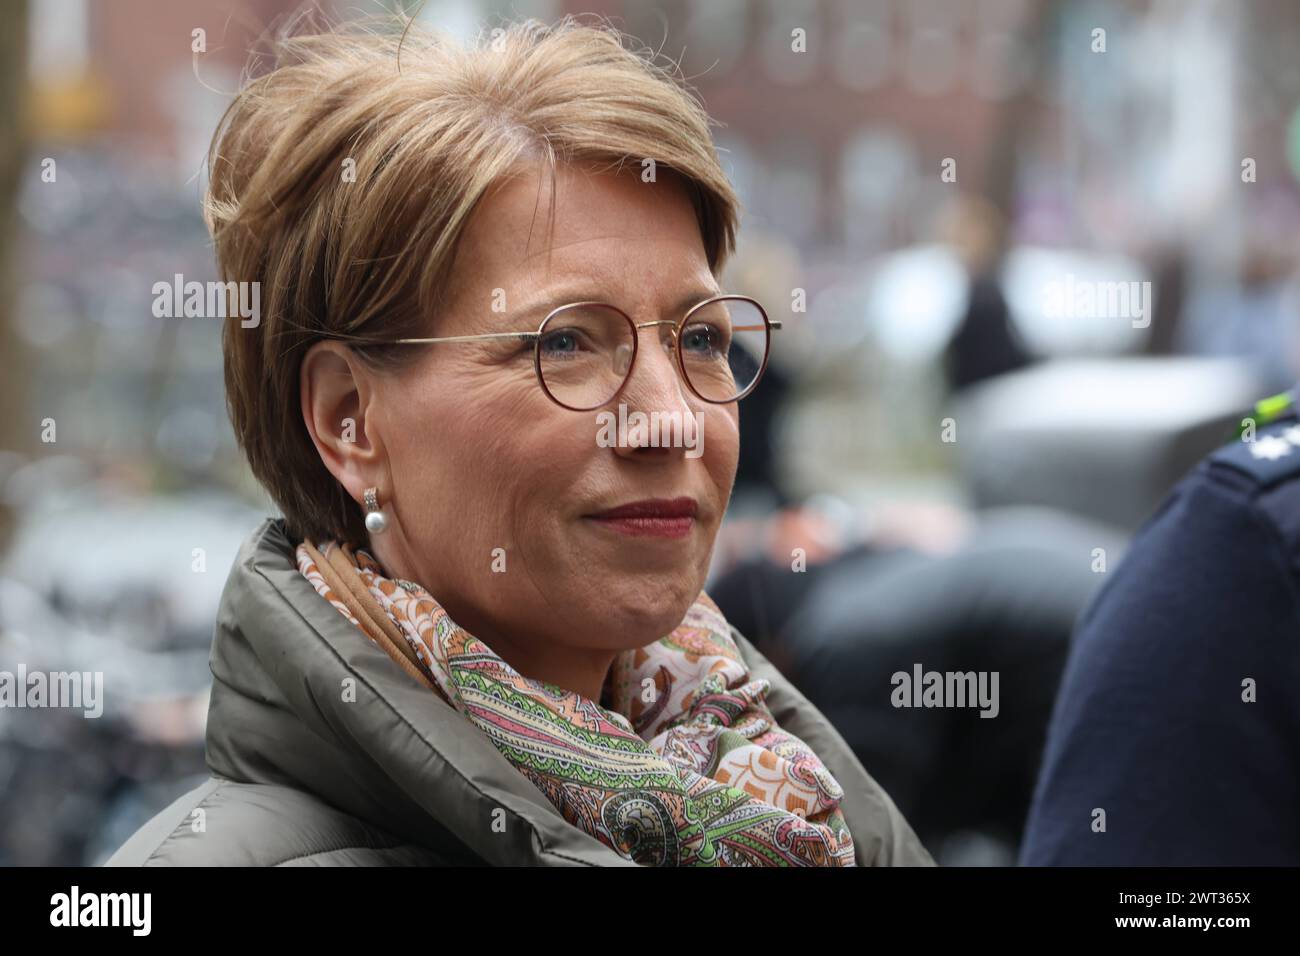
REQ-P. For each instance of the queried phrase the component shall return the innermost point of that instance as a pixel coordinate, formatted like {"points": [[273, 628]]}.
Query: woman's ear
{"points": [[334, 388]]}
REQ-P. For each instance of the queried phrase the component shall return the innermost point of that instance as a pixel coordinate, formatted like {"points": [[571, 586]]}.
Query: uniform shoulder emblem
{"points": [[1267, 447]]}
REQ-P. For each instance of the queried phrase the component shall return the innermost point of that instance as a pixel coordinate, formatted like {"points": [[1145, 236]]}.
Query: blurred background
{"points": [[1034, 259]]}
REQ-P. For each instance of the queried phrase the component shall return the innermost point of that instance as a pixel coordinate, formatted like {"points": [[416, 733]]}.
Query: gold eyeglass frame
{"points": [[678, 326]]}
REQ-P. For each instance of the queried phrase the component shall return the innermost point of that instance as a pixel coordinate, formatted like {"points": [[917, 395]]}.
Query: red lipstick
{"points": [[652, 517]]}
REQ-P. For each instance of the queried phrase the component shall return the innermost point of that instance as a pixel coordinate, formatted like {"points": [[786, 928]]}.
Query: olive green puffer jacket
{"points": [[306, 775]]}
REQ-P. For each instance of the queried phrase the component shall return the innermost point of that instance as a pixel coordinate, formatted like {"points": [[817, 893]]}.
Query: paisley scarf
{"points": [[684, 766]]}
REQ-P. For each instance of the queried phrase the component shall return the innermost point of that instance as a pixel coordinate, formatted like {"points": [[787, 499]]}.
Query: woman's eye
{"points": [[560, 342], [705, 339]]}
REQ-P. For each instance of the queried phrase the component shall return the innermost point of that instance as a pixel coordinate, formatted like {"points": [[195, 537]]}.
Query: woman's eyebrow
{"points": [[544, 305]]}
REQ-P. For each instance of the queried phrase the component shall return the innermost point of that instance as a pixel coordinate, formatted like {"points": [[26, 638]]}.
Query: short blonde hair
{"points": [[342, 180]]}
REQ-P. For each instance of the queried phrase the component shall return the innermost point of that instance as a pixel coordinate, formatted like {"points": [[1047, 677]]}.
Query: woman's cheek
{"points": [[725, 449]]}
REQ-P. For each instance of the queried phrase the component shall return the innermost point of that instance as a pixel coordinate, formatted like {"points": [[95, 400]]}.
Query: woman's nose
{"points": [[656, 383]]}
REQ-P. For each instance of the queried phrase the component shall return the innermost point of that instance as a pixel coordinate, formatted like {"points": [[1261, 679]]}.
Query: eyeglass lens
{"points": [[585, 352]]}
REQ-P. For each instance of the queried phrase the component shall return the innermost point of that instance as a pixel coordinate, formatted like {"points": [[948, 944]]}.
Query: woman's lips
{"points": [[653, 517], [649, 527]]}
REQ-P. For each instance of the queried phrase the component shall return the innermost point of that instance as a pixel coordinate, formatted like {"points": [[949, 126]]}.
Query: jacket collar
{"points": [[300, 698]]}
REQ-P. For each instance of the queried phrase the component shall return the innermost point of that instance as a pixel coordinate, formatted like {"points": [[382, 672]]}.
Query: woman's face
{"points": [[476, 458]]}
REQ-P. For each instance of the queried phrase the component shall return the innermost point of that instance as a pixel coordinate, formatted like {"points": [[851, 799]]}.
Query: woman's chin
{"points": [[635, 624]]}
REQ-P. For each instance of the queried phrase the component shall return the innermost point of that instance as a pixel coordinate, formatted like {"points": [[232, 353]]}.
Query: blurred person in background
{"points": [[984, 344], [477, 635]]}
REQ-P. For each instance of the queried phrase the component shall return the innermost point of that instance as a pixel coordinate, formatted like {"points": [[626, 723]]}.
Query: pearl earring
{"points": [[376, 520]]}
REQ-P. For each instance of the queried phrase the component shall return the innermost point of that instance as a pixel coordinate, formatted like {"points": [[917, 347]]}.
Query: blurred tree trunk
{"points": [[16, 428]]}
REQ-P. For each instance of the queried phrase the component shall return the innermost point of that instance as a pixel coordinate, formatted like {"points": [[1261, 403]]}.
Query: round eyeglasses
{"points": [[584, 352]]}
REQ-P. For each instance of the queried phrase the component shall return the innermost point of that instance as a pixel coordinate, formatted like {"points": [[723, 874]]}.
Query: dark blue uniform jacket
{"points": [[1150, 725]]}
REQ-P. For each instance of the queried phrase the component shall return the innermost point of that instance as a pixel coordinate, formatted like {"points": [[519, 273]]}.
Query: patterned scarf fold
{"points": [[685, 766]]}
